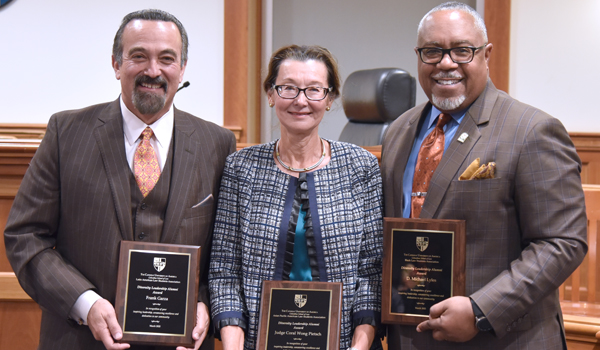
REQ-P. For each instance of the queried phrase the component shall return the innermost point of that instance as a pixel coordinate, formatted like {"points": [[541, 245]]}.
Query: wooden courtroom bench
{"points": [[580, 294]]}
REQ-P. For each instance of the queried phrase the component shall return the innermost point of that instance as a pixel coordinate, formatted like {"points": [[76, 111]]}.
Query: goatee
{"points": [[146, 102], [448, 103]]}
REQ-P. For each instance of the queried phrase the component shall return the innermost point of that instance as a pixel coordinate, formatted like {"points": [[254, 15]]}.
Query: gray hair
{"points": [[149, 15], [459, 6]]}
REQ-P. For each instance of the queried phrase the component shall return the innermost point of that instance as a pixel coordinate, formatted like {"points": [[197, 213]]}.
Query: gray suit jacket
{"points": [[74, 207], [526, 228]]}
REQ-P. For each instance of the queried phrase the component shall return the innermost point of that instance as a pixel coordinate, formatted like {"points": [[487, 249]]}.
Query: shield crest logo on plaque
{"points": [[300, 300], [160, 264], [422, 243]]}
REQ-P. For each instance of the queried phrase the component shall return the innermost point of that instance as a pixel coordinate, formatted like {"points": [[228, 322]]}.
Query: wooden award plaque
{"points": [[300, 315], [157, 293], [423, 264]]}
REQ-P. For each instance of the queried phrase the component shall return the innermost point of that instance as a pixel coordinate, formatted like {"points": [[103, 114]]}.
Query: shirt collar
{"points": [[457, 116], [133, 126]]}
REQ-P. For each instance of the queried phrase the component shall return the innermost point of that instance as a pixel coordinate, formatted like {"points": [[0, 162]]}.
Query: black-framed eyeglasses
{"points": [[313, 93], [434, 55]]}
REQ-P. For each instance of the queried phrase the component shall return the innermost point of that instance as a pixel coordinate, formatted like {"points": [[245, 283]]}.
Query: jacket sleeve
{"points": [[549, 204], [31, 232], [225, 273], [368, 295], [225, 146]]}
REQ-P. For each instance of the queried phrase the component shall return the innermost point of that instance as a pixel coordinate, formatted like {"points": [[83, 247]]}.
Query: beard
{"points": [[447, 103], [147, 102]]}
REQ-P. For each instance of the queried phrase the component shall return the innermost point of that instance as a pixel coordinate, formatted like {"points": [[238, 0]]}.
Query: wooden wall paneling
{"points": [[583, 333], [20, 316], [241, 98], [235, 80], [5, 205], [19, 325], [15, 156], [254, 87], [497, 20], [579, 293], [11, 289], [588, 149], [22, 131], [579, 301], [593, 263]]}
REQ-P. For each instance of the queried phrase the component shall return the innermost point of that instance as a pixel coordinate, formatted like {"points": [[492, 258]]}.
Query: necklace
{"points": [[300, 170]]}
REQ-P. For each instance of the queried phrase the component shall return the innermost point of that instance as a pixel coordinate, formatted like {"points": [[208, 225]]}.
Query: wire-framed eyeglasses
{"points": [[313, 93], [434, 55]]}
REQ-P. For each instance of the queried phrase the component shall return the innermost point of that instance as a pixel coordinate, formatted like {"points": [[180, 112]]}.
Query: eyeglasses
{"points": [[434, 55], [313, 93]]}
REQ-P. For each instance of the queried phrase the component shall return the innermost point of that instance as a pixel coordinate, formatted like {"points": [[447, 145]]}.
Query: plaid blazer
{"points": [[526, 228], [346, 195]]}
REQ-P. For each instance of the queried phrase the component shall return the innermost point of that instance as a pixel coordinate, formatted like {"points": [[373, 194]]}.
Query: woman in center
{"points": [[301, 208]]}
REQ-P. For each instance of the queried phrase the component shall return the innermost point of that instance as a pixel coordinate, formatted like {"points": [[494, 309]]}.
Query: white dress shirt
{"points": [[133, 127]]}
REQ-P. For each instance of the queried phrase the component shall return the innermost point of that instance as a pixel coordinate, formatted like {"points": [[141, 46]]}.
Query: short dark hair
{"points": [[304, 53], [149, 15]]}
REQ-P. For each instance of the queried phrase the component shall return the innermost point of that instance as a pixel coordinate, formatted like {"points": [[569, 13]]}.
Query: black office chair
{"points": [[372, 99]]}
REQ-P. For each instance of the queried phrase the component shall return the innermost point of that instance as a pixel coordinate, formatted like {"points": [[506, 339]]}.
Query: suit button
{"points": [[141, 236], [143, 206]]}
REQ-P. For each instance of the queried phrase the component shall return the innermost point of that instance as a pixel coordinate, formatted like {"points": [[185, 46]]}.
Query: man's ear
{"points": [[182, 71], [116, 67], [488, 52]]}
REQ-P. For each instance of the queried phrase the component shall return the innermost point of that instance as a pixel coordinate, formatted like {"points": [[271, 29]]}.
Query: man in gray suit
{"points": [[526, 226], [80, 198]]}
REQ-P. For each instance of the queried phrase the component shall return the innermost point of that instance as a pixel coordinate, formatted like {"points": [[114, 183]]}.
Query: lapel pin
{"points": [[463, 137]]}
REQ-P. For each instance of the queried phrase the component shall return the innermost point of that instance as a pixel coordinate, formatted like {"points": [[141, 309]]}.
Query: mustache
{"points": [[144, 79], [447, 75]]}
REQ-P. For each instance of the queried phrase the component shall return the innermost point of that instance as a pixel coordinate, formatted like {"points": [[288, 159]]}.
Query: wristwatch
{"points": [[481, 322]]}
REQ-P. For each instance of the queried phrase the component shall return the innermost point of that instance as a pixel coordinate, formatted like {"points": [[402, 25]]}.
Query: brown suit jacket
{"points": [[74, 207], [526, 228]]}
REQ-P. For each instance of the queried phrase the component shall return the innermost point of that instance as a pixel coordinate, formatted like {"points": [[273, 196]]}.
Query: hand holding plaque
{"points": [[424, 263], [157, 293]]}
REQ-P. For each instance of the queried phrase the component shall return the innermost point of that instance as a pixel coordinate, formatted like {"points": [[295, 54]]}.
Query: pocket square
{"points": [[202, 202], [476, 172]]}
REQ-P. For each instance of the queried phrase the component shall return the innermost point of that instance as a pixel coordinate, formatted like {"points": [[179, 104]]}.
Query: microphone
{"points": [[186, 84]]}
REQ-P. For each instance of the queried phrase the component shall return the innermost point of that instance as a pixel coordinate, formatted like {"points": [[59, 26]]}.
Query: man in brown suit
{"points": [[526, 227], [79, 198]]}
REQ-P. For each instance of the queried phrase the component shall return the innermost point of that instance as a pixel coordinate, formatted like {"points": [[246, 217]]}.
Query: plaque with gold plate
{"points": [[423, 264], [157, 293], [298, 315]]}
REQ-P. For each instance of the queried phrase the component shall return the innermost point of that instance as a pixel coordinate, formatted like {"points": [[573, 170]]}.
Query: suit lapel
{"points": [[109, 137], [455, 156], [185, 155]]}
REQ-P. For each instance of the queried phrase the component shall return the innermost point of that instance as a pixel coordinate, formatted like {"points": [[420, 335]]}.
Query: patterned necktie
{"points": [[428, 159], [145, 164]]}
